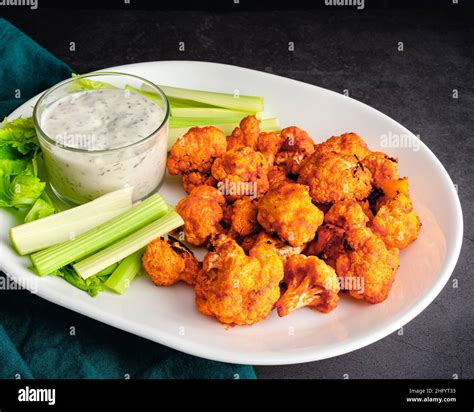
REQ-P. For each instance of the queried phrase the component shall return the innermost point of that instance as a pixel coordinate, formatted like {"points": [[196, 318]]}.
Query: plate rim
{"points": [[270, 358]]}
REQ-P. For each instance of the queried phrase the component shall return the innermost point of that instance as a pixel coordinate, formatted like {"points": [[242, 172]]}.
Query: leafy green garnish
{"points": [[18, 139], [80, 84], [41, 208], [92, 285], [20, 185]]}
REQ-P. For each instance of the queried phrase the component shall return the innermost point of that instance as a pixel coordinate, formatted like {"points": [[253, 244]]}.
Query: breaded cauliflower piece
{"points": [[246, 134], [310, 282], [334, 177], [195, 179], [349, 144], [196, 150], [346, 214], [297, 145], [328, 244], [396, 222], [382, 167], [369, 268], [283, 249], [235, 288], [244, 217], [287, 210], [269, 143], [201, 210], [276, 174], [241, 172], [167, 262]]}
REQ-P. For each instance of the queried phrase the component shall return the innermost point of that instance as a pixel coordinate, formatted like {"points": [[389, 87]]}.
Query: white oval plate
{"points": [[168, 315]]}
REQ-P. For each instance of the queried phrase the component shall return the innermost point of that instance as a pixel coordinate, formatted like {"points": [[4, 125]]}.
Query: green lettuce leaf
{"points": [[92, 285], [41, 208], [81, 84], [19, 147], [18, 138]]}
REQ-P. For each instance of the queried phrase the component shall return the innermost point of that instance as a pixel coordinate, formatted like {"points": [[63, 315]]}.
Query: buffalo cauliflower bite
{"points": [[283, 249], [196, 150], [396, 222], [309, 282], [195, 179], [296, 146], [244, 217], [328, 244], [346, 144], [382, 167], [246, 134], [201, 210], [235, 288], [346, 214], [269, 143], [287, 210], [241, 172], [333, 177], [276, 174], [167, 262], [368, 270]]}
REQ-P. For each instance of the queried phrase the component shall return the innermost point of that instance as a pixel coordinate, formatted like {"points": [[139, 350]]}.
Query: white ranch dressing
{"points": [[102, 124]]}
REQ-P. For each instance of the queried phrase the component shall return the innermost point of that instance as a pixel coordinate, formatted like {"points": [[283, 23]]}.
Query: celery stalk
{"points": [[208, 112], [55, 257], [128, 245], [122, 276], [60, 227], [266, 125], [176, 122], [182, 103], [151, 96], [251, 104]]}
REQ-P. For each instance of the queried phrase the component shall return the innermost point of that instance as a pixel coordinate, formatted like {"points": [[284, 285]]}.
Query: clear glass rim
{"points": [[43, 135]]}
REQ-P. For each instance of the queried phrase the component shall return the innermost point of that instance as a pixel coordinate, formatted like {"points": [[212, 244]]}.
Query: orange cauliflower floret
{"points": [[241, 172], [269, 143], [244, 217], [201, 211], [345, 144], [167, 262], [297, 145], [368, 270], [346, 214], [195, 179], [246, 134], [283, 249], [235, 288], [196, 150], [276, 174], [333, 177], [310, 282], [330, 241], [382, 167], [328, 244], [287, 210], [396, 222]]}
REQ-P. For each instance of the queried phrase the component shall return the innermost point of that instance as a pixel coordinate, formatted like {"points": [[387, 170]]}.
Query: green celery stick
{"points": [[89, 242], [122, 276]]}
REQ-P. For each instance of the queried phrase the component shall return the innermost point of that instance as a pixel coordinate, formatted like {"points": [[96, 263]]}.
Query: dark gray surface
{"points": [[337, 49]]}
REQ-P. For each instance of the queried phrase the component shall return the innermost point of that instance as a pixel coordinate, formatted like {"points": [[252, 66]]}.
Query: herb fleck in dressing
{"points": [[102, 124]]}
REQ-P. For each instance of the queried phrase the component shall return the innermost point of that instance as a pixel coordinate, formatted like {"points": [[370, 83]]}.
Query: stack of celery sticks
{"points": [[191, 108], [100, 242]]}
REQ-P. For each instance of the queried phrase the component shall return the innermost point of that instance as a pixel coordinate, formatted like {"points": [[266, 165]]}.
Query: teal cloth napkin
{"points": [[41, 340]]}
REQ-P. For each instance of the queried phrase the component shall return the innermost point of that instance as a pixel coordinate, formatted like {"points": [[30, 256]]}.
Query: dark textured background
{"points": [[336, 48]]}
